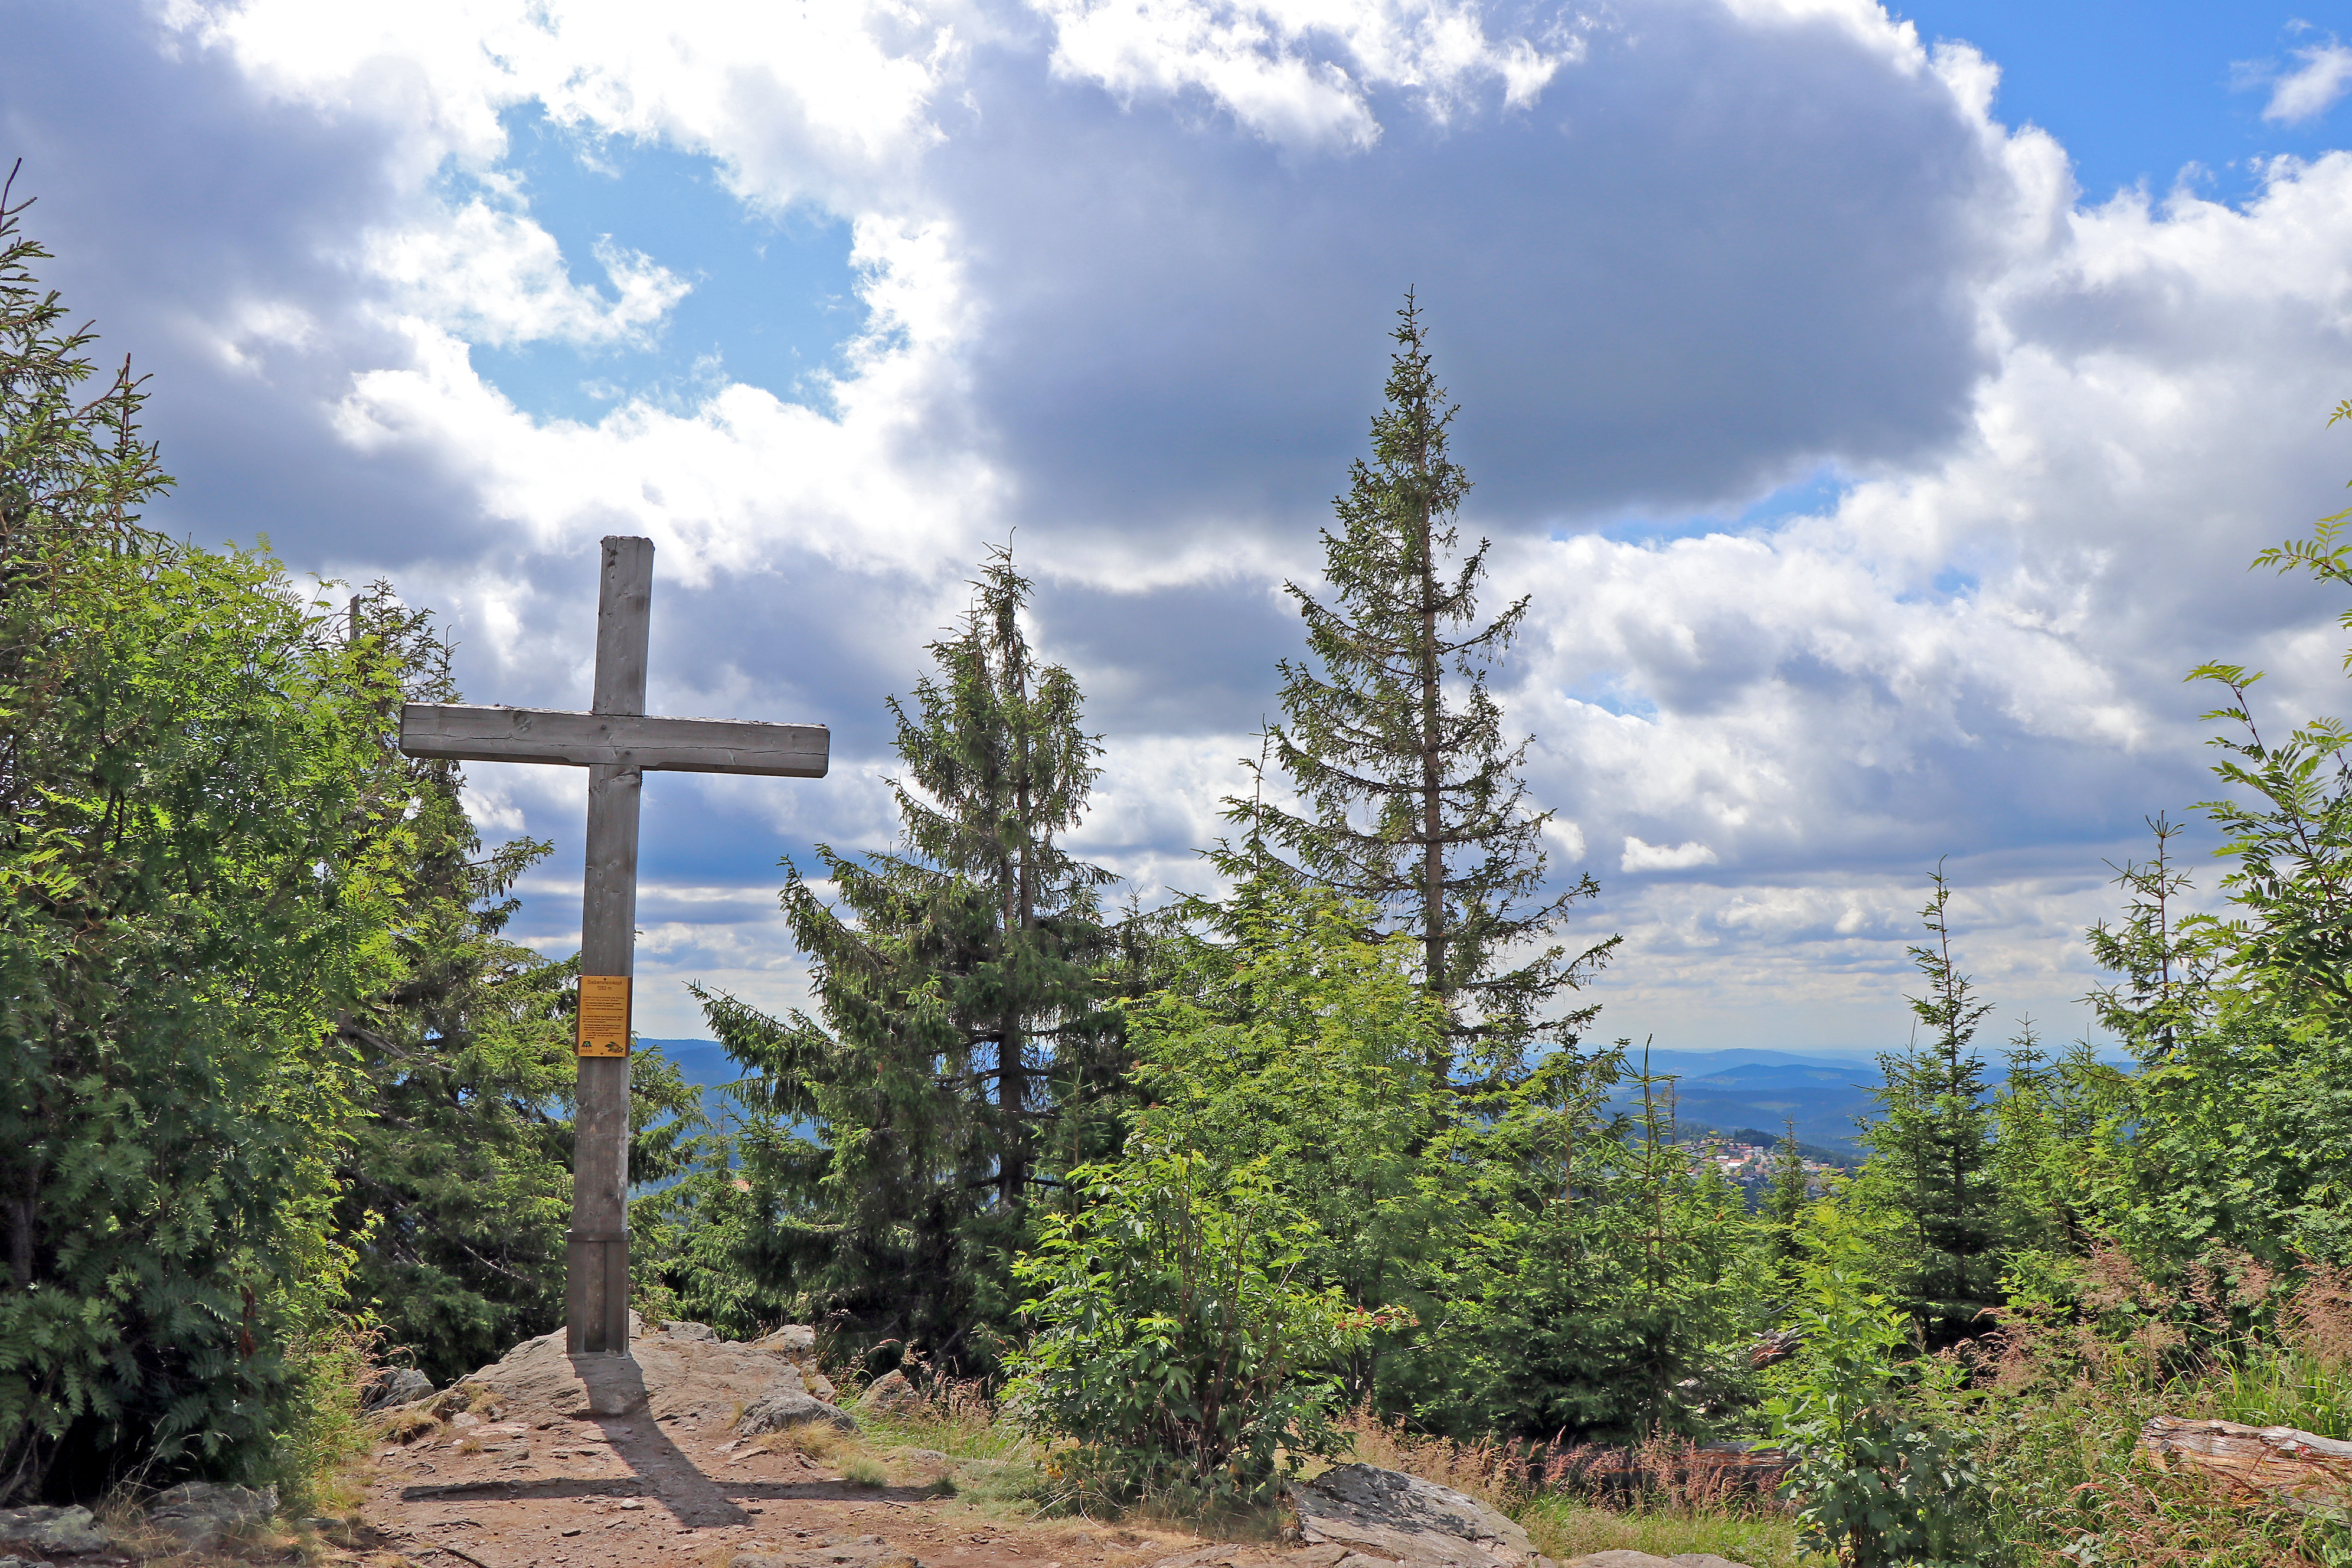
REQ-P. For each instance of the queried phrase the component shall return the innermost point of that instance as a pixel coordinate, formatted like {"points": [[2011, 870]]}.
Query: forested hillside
{"points": [[1176, 1187]]}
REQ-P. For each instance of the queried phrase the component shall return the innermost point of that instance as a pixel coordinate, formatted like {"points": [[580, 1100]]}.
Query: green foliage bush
{"points": [[1289, 1037], [1878, 1480], [1615, 1284], [1178, 1349], [198, 816], [1560, 1269]]}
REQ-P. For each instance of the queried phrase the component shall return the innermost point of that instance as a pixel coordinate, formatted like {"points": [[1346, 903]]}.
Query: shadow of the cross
{"points": [[620, 1405], [746, 1490], [623, 1409]]}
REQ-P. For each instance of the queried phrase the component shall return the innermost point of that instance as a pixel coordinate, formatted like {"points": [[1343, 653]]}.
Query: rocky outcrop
{"points": [[888, 1391], [197, 1516], [1386, 1516], [396, 1385], [796, 1342], [676, 1369], [52, 1532], [793, 1342]]}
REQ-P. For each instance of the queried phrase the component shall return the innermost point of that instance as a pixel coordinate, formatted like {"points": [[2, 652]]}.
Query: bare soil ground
{"points": [[543, 1459], [640, 1491]]}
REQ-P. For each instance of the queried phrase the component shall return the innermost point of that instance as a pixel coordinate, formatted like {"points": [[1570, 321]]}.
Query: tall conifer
{"points": [[1785, 1201], [963, 1041], [1407, 786], [1931, 1147]]}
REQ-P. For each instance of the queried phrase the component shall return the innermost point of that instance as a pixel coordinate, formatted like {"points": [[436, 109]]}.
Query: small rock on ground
{"points": [[52, 1532], [786, 1405], [198, 1514]]}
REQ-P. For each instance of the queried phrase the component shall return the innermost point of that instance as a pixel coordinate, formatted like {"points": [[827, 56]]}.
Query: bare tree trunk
{"points": [[23, 1212], [1020, 919], [1432, 780]]}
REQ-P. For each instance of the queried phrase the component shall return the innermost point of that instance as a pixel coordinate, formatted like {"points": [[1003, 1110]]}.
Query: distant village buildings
{"points": [[1749, 1165]]}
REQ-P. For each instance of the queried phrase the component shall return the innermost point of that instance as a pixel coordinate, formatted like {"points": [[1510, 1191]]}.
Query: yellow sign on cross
{"points": [[604, 1016]]}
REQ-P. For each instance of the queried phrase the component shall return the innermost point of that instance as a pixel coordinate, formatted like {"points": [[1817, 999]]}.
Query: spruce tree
{"points": [[964, 1056], [456, 1191], [1785, 1201], [1408, 789], [1932, 1144]]}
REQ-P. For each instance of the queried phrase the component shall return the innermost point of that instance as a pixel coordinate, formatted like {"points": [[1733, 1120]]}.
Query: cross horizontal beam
{"points": [[470, 733]]}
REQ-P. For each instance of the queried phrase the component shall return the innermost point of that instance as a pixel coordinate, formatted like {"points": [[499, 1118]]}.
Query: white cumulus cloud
{"points": [[2311, 89], [1298, 72], [499, 279], [1641, 856]]}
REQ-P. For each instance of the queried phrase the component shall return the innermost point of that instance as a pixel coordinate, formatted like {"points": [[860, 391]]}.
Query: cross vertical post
{"points": [[596, 1280], [618, 742]]}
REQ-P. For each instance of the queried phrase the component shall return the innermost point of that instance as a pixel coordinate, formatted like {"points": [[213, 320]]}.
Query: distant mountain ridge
{"points": [[1720, 1091], [1827, 1095]]}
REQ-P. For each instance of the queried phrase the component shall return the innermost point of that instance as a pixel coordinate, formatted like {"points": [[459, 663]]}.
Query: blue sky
{"points": [[1879, 427], [773, 296], [2136, 92]]}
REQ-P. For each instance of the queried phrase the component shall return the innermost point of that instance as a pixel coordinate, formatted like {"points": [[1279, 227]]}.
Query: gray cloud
{"points": [[1710, 256]]}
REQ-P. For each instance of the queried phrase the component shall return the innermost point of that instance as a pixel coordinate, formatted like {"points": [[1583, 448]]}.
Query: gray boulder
{"points": [[788, 1404], [198, 1513], [1376, 1514], [888, 1391], [396, 1385], [797, 1341], [52, 1532]]}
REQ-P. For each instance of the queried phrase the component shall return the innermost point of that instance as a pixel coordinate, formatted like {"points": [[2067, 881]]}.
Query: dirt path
{"points": [[642, 1489]]}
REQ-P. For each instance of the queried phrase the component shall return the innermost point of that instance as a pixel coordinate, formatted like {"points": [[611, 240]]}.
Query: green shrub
{"points": [[200, 821], [1178, 1355], [1878, 1480]]}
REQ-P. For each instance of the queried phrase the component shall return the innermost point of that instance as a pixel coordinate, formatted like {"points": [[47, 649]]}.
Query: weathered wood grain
{"points": [[470, 733], [2307, 1472]]}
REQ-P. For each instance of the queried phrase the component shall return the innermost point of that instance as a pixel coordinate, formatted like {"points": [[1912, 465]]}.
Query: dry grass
{"points": [[1491, 1470], [2072, 1391], [1565, 1528], [819, 1440], [1666, 1501], [407, 1424]]}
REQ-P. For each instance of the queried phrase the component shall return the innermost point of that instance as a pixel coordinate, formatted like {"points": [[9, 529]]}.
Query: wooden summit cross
{"points": [[618, 744]]}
